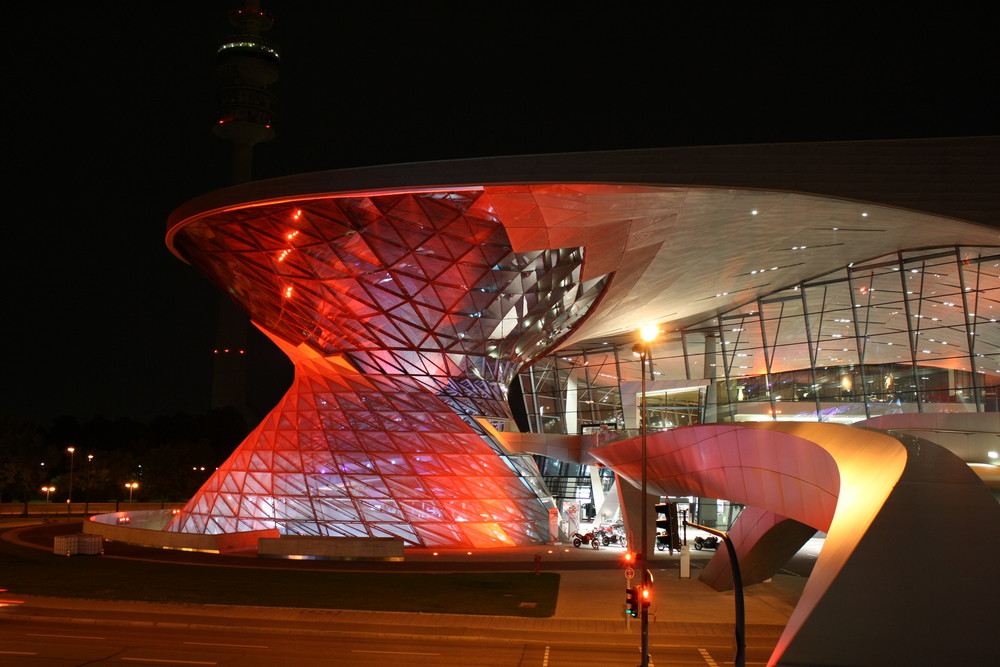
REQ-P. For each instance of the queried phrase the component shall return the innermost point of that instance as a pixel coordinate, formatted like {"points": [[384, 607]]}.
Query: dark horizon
{"points": [[114, 110]]}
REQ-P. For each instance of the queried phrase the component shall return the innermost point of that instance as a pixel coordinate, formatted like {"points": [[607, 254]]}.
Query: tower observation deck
{"points": [[247, 65]]}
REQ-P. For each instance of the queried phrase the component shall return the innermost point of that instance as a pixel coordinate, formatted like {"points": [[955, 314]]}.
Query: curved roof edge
{"points": [[955, 177]]}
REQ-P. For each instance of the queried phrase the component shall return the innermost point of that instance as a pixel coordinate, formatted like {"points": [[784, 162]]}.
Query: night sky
{"points": [[109, 108]]}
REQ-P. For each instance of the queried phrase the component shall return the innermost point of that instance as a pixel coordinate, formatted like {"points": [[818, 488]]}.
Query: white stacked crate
{"points": [[78, 543], [90, 545], [65, 545]]}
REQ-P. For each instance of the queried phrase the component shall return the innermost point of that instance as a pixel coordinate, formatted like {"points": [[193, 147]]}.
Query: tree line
{"points": [[169, 457]]}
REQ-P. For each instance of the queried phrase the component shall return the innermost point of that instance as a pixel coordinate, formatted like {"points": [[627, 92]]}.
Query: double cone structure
{"points": [[407, 315]]}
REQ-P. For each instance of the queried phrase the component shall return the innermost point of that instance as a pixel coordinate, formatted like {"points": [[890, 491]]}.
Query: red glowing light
{"points": [[7, 603]]}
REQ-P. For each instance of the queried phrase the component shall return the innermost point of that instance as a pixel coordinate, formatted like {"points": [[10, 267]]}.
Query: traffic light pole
{"points": [[740, 659]]}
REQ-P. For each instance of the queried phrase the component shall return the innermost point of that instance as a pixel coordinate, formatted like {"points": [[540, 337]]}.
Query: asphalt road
{"points": [[692, 628], [63, 644]]}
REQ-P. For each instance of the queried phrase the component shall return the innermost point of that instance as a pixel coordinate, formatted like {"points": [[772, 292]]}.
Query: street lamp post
{"points": [[131, 486], [48, 490], [69, 498], [647, 334]]}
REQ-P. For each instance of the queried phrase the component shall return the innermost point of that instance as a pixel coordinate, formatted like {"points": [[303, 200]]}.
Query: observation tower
{"points": [[247, 64]]}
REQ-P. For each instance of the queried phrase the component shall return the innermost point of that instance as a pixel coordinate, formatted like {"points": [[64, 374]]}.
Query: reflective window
{"points": [[915, 331]]}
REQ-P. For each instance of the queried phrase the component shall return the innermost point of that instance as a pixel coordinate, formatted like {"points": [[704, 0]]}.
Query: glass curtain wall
{"points": [[916, 331]]}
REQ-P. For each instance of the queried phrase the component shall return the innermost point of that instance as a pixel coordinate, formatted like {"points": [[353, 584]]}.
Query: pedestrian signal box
{"points": [[632, 601]]}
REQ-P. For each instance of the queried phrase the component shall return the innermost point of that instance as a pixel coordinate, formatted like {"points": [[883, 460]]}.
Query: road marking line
{"points": [[176, 662], [708, 658], [231, 645], [18, 653], [545, 658], [358, 650], [66, 636]]}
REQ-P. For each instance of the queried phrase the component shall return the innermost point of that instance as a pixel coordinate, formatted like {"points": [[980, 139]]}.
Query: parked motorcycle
{"points": [[615, 538], [592, 539], [609, 537], [710, 542]]}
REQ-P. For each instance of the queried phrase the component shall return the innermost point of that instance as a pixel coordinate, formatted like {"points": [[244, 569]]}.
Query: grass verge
{"points": [[31, 572]]}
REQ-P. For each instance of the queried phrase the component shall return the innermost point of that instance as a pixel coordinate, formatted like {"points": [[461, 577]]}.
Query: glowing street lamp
{"points": [[647, 334], [48, 490], [69, 499], [131, 486]]}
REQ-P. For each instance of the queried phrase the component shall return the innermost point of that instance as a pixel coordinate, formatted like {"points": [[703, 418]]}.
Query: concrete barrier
{"points": [[245, 541], [146, 529], [332, 548]]}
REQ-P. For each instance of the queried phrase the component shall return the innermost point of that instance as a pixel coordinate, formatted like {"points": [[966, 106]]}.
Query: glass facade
{"points": [[407, 316], [915, 331]]}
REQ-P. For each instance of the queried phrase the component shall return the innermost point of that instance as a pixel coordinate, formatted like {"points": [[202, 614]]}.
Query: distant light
{"points": [[753, 212], [992, 454]]}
